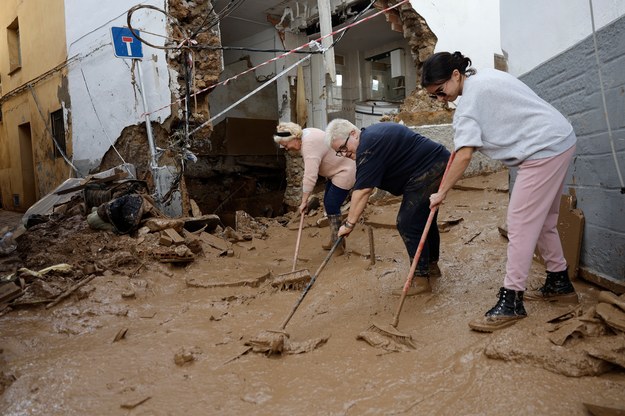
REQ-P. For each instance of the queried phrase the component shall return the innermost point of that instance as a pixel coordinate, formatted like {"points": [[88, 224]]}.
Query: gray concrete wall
{"points": [[570, 82], [444, 134]]}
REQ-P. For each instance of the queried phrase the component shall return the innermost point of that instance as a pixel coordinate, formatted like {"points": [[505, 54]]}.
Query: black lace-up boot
{"points": [[557, 288], [506, 312]]}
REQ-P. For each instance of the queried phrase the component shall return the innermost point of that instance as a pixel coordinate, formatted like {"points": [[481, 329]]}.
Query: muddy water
{"points": [[66, 363]]}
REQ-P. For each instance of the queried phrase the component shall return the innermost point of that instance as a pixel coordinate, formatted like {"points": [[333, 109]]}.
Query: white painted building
{"points": [[104, 90]]}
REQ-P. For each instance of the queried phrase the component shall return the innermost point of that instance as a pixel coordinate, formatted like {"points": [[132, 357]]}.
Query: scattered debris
{"points": [[133, 404], [600, 410], [254, 282], [186, 356], [377, 340], [70, 291], [594, 337], [277, 342], [446, 224], [121, 334]]}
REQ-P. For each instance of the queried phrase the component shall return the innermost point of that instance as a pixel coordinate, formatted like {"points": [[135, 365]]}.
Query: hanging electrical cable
{"points": [[45, 123], [310, 47], [605, 105]]}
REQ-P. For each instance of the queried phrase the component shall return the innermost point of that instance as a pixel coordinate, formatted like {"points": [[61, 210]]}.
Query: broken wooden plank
{"points": [[255, 282], [371, 245], [173, 235], [216, 242], [70, 291], [135, 403], [195, 209]]}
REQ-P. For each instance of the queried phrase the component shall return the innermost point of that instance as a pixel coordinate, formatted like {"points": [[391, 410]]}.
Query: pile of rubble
{"points": [[105, 224]]}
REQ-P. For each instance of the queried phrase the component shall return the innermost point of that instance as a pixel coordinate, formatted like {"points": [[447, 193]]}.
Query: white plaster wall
{"points": [[104, 97], [471, 27], [533, 31]]}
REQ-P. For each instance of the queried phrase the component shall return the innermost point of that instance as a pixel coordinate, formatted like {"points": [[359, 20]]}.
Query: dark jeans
{"points": [[413, 214], [333, 198]]}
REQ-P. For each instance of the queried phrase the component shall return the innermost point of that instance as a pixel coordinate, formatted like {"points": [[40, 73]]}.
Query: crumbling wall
{"points": [[418, 108], [197, 21], [294, 177], [132, 147]]}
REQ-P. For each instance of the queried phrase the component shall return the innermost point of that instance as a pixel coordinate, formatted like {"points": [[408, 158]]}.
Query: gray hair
{"points": [[338, 129]]}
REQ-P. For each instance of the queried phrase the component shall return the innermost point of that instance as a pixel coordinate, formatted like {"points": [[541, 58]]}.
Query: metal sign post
{"points": [[127, 46]]}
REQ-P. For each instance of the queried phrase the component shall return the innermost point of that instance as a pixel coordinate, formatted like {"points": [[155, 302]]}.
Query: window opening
{"points": [[58, 133], [13, 40]]}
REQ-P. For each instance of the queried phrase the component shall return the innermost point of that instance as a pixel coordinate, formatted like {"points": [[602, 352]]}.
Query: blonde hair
{"points": [[287, 126]]}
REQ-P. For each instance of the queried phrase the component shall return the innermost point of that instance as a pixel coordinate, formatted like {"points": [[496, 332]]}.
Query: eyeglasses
{"points": [[439, 91], [342, 150]]}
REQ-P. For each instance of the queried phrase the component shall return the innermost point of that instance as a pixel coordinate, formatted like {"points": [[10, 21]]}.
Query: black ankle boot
{"points": [[506, 312], [557, 287]]}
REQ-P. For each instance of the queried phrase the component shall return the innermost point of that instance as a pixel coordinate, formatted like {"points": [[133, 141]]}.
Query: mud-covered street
{"points": [[152, 338]]}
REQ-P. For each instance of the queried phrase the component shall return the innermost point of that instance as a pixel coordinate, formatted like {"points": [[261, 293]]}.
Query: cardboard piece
{"points": [[571, 229]]}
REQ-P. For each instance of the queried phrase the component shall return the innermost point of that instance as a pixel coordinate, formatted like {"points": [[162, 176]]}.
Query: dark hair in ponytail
{"points": [[439, 67]]}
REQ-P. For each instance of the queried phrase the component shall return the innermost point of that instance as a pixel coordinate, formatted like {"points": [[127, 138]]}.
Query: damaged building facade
{"points": [[220, 140], [215, 77]]}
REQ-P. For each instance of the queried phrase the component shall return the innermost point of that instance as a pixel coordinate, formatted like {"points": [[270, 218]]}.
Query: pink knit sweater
{"points": [[321, 160]]}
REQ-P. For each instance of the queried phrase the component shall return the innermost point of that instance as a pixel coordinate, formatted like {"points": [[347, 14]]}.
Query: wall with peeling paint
{"points": [[30, 92], [567, 76], [104, 90]]}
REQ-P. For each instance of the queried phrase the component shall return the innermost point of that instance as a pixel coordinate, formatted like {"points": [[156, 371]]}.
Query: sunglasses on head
{"points": [[283, 134]]}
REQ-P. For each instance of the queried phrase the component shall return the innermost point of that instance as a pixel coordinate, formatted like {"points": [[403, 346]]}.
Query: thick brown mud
{"points": [[171, 339]]}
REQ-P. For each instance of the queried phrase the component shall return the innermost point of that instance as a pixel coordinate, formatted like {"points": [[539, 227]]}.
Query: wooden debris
{"points": [[170, 236], [132, 405], [121, 334], [600, 410], [473, 237], [195, 209], [70, 291], [255, 282], [371, 245], [159, 224], [216, 242]]}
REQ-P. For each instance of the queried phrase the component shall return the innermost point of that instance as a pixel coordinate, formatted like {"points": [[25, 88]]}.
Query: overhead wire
{"points": [[313, 43], [605, 105]]}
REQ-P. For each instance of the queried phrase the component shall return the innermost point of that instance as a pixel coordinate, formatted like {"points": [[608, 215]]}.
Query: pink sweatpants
{"points": [[533, 216]]}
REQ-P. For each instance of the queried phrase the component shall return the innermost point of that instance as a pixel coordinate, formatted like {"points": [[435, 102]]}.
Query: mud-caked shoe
{"points": [[557, 288], [506, 312], [335, 224], [419, 285], [435, 271]]}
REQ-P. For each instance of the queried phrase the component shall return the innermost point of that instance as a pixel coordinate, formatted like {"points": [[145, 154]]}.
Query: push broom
{"points": [[391, 331], [273, 341]]}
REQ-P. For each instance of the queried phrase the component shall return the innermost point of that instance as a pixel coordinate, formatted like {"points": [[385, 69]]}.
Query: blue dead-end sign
{"points": [[125, 44]]}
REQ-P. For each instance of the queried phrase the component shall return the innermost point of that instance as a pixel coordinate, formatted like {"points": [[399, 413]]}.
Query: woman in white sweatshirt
{"points": [[501, 117]]}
